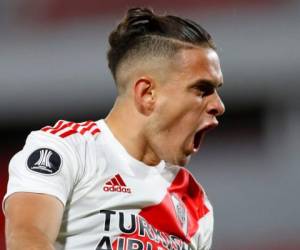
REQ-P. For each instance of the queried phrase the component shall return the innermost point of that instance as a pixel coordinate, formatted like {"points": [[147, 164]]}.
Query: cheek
{"points": [[172, 118], [177, 115], [178, 122], [187, 114]]}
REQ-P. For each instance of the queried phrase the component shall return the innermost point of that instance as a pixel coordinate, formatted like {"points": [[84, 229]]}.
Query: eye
{"points": [[204, 90]]}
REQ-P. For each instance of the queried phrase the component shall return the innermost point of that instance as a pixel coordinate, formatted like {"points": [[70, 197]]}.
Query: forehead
{"points": [[198, 63]]}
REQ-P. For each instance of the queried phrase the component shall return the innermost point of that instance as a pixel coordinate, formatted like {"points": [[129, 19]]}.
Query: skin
{"points": [[165, 102], [164, 113], [32, 221]]}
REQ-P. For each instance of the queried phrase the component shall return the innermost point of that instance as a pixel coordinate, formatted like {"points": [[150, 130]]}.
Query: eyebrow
{"points": [[206, 82]]}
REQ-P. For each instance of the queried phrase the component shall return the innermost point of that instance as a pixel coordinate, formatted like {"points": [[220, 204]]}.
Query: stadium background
{"points": [[53, 66]]}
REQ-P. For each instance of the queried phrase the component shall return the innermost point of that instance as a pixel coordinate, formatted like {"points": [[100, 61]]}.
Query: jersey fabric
{"points": [[111, 200]]}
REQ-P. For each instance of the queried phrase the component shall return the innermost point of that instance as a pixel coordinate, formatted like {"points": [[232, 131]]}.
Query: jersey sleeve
{"points": [[47, 165]]}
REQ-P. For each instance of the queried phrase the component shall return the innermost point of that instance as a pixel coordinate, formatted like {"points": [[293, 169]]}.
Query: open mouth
{"points": [[199, 136], [197, 140]]}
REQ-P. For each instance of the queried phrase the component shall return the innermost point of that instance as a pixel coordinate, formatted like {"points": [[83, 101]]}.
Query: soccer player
{"points": [[120, 182]]}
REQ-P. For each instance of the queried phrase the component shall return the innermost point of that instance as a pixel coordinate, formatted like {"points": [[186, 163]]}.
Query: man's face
{"points": [[186, 106]]}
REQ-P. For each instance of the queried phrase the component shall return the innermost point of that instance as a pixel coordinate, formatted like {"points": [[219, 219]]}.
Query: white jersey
{"points": [[111, 200]]}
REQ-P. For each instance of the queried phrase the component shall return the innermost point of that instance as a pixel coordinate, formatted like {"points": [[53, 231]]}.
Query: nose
{"points": [[215, 105]]}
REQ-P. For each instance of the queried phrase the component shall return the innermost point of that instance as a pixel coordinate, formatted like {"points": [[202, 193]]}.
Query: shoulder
{"points": [[68, 138], [68, 129], [67, 133], [64, 149]]}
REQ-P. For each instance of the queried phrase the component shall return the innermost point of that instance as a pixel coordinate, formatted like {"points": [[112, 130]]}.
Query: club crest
{"points": [[181, 212]]}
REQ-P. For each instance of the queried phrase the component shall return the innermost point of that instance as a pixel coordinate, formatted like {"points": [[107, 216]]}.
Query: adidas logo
{"points": [[116, 184]]}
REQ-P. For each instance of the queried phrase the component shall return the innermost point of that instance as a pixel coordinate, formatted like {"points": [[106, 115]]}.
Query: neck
{"points": [[127, 125]]}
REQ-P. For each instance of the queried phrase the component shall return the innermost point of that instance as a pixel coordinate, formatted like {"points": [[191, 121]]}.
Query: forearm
{"points": [[27, 238]]}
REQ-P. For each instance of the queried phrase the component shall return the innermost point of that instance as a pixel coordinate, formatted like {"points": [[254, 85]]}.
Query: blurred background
{"points": [[53, 66]]}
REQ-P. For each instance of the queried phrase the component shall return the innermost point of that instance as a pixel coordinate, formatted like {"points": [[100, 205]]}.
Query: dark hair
{"points": [[143, 31]]}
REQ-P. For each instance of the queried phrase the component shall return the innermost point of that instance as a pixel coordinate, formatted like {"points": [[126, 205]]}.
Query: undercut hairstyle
{"points": [[143, 33]]}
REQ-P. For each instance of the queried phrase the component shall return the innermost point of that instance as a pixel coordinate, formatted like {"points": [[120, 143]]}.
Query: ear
{"points": [[144, 95]]}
